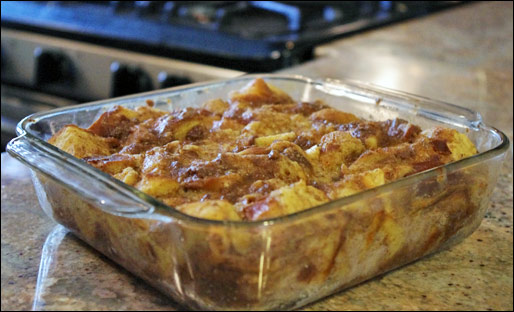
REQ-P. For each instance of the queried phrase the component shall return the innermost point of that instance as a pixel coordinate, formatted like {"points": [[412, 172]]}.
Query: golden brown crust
{"points": [[258, 153]]}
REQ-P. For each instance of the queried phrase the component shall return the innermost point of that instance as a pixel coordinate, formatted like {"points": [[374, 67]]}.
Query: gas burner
{"points": [[244, 35]]}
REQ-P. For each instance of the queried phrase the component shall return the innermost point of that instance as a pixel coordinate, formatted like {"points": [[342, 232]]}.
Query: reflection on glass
{"points": [[73, 276], [48, 262]]}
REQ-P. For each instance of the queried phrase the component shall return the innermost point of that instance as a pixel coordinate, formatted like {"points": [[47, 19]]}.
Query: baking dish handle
{"points": [[96, 188], [418, 105]]}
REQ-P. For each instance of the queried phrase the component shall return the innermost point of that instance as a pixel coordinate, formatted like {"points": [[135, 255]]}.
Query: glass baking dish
{"points": [[280, 263]]}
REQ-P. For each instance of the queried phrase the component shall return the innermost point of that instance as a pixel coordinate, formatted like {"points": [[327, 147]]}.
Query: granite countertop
{"points": [[463, 56]]}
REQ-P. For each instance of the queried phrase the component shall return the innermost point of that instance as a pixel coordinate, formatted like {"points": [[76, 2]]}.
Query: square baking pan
{"points": [[280, 263]]}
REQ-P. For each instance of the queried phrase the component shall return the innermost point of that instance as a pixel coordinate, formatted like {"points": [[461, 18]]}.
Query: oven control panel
{"points": [[86, 72]]}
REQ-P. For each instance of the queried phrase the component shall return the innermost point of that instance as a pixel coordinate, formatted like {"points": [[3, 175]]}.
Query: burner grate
{"points": [[243, 35]]}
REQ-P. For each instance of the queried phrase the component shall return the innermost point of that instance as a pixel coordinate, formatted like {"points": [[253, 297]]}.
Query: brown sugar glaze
{"points": [[258, 155]]}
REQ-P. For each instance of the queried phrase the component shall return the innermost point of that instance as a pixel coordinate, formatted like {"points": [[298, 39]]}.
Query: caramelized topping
{"points": [[258, 155]]}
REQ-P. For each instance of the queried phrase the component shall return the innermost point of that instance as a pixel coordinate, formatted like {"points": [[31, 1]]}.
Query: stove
{"points": [[58, 53]]}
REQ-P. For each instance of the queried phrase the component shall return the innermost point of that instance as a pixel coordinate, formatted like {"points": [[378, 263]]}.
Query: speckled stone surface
{"points": [[462, 56]]}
